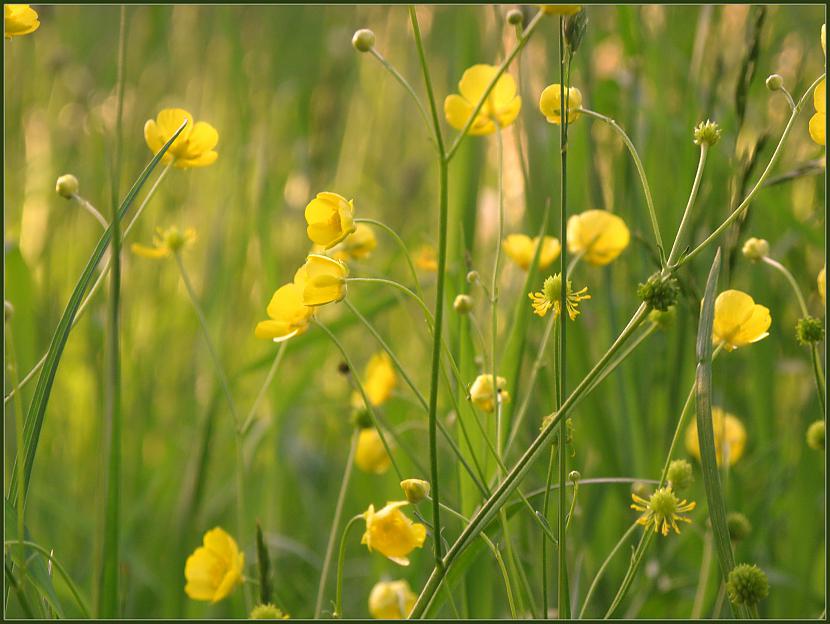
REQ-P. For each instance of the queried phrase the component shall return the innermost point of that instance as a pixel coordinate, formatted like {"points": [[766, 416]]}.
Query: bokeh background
{"points": [[299, 111]]}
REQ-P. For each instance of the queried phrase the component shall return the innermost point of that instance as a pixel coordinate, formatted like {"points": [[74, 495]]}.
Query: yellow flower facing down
{"points": [[598, 235], [662, 510], [520, 249], [550, 103], [288, 317], [426, 258], [821, 280], [20, 19], [739, 321], [391, 533], [551, 297], [481, 392], [194, 147], [730, 437], [818, 122], [321, 280], [330, 219], [560, 9], [500, 108], [165, 243], [370, 455], [215, 568], [391, 600], [359, 245], [380, 379]]}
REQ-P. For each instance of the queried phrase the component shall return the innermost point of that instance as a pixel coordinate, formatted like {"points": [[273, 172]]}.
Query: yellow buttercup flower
{"points": [[391, 600], [20, 19], [330, 219], [501, 107], [598, 235], [288, 317], [730, 437], [520, 249], [321, 280], [550, 103], [821, 280], [560, 9], [551, 294], [391, 533], [194, 147], [481, 392], [380, 378], [662, 510], [415, 490], [818, 122], [370, 455], [165, 243], [215, 568], [426, 258], [359, 245], [739, 321]]}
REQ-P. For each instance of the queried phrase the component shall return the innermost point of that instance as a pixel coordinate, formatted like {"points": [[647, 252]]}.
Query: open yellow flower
{"points": [[359, 245], [821, 280], [192, 148], [20, 19], [288, 317], [165, 243], [391, 600], [321, 280], [330, 219], [370, 455], [380, 379], [426, 258], [520, 249], [501, 107], [481, 392], [391, 533], [730, 437], [739, 321], [818, 122], [215, 568], [560, 9], [662, 510], [550, 103], [598, 235], [551, 297]]}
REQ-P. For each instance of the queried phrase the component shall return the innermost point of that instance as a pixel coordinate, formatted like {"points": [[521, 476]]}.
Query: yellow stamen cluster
{"points": [[662, 510], [551, 294]]}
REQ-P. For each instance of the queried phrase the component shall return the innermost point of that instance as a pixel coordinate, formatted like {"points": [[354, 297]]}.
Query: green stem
{"points": [[86, 205], [685, 221], [11, 354], [604, 565], [703, 577], [494, 298], [396, 237], [398, 286], [338, 601], [249, 419]]}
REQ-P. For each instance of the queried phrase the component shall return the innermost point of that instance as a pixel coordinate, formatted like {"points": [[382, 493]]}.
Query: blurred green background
{"points": [[299, 111]]}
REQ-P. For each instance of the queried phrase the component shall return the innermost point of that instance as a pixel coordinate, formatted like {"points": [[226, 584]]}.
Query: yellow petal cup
{"points": [[20, 19], [739, 321], [551, 107], [730, 437], [520, 249], [321, 280], [598, 235], [391, 600], [194, 147], [330, 219], [215, 568], [500, 108]]}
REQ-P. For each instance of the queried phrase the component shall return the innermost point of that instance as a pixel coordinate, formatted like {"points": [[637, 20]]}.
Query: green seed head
{"points": [[663, 319], [463, 304], [680, 474], [738, 525], [267, 612], [67, 186], [707, 132], [774, 82], [663, 502], [809, 330], [747, 585], [363, 40], [658, 292], [552, 287], [361, 418], [815, 435], [574, 476], [515, 17]]}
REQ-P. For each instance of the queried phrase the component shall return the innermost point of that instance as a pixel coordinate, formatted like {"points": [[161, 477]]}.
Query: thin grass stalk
{"points": [[265, 385], [682, 229], [402, 246], [602, 568], [338, 600]]}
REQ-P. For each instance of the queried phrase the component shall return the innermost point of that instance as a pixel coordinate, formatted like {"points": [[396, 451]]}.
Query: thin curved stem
{"points": [[399, 286], [604, 565], [396, 237], [494, 297], [86, 205], [249, 419], [338, 600], [684, 222]]}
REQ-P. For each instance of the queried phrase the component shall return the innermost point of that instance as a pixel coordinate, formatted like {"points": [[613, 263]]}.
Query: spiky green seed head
{"points": [[659, 292], [747, 585], [815, 435], [707, 133], [680, 475], [809, 330], [738, 525], [267, 612]]}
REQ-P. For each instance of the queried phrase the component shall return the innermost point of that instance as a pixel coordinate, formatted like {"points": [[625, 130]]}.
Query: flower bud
{"points": [[680, 475], [815, 435], [755, 249], [659, 292], [809, 330], [415, 490], [747, 585], [363, 40], [663, 318], [463, 304], [267, 612], [575, 26], [515, 17], [67, 186], [707, 132], [774, 82], [574, 476], [472, 277], [738, 525], [8, 311]]}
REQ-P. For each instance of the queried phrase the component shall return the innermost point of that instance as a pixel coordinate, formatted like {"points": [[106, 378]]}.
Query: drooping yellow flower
{"points": [[560, 9], [321, 280], [821, 280], [215, 568], [426, 258], [391, 600], [380, 379], [165, 243], [288, 317], [391, 533], [550, 103], [20, 19], [551, 294], [520, 249], [730, 437], [662, 510], [359, 245], [481, 392], [194, 147], [739, 321], [818, 122], [330, 219], [598, 235], [370, 455], [501, 107]]}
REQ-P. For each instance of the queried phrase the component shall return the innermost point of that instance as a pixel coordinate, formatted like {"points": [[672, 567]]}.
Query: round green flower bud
{"points": [[659, 292], [267, 612], [680, 475], [574, 476], [515, 17], [8, 311], [747, 585], [755, 248], [738, 525], [707, 132], [67, 186], [809, 330], [361, 418], [415, 490], [663, 318], [463, 304], [472, 277], [774, 82], [815, 435], [363, 40]]}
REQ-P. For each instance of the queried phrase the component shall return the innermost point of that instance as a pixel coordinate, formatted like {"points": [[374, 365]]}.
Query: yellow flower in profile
{"points": [[330, 219], [818, 122], [415, 490], [739, 321], [288, 317], [662, 510], [321, 280], [598, 236], [481, 392], [426, 258], [20, 19], [192, 148], [501, 107], [730, 437], [551, 294], [359, 245], [391, 600], [520, 249], [380, 378], [165, 243], [370, 455], [821, 280], [391, 533], [560, 9], [215, 568], [550, 103]]}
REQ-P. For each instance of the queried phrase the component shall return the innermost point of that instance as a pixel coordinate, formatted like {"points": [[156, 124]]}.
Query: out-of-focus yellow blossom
{"points": [[359, 245], [501, 106], [520, 249], [426, 258], [380, 378], [730, 437], [822, 284], [415, 490], [818, 122], [370, 455], [739, 321], [551, 294], [481, 392], [824, 39], [550, 103], [321, 280], [330, 219], [391, 600], [662, 510], [215, 568], [560, 9], [20, 19], [268, 611], [165, 242], [598, 235], [391, 533], [288, 317], [192, 148]]}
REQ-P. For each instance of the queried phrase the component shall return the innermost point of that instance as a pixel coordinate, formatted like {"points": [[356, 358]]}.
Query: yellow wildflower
{"points": [[380, 379], [165, 242], [520, 249], [560, 9], [20, 19], [481, 392], [370, 455], [821, 280], [426, 258], [598, 235], [192, 148], [391, 600], [550, 103], [288, 316], [391, 533], [330, 219], [662, 510], [321, 280], [551, 294], [730, 437], [818, 122], [739, 321], [215, 568], [359, 245], [501, 107]]}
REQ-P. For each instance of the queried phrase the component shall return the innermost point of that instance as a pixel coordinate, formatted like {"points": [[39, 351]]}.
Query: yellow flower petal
{"points": [[370, 454], [598, 235], [391, 600], [215, 568], [153, 253], [380, 379], [820, 97], [457, 111], [739, 321], [19, 20], [550, 103], [818, 128], [730, 437]]}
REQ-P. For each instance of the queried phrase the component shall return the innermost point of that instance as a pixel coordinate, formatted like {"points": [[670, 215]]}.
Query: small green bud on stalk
{"points": [[515, 17], [363, 40], [680, 474], [463, 304], [738, 525], [774, 82], [67, 186], [415, 490], [755, 249], [574, 476], [815, 435], [361, 418], [575, 26], [472, 277]]}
